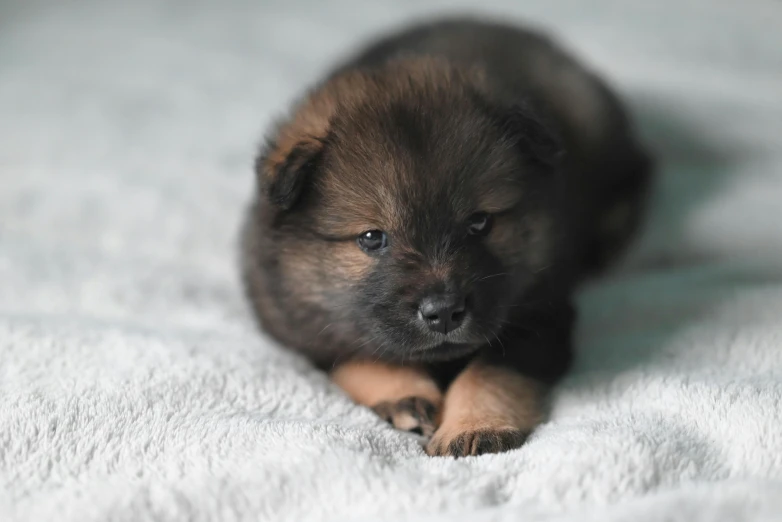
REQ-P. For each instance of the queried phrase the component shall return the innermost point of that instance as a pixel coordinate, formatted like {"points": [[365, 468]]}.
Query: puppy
{"points": [[424, 215]]}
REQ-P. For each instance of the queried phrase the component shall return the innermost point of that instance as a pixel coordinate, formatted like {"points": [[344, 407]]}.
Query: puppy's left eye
{"points": [[479, 224], [372, 241]]}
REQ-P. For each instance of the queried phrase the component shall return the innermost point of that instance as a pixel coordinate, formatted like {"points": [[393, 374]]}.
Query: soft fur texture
{"points": [[493, 172], [133, 385]]}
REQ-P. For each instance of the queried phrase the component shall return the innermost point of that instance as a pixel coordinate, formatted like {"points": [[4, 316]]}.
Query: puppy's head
{"points": [[409, 208]]}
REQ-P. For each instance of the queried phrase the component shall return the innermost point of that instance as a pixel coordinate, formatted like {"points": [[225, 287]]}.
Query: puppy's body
{"points": [[484, 173]]}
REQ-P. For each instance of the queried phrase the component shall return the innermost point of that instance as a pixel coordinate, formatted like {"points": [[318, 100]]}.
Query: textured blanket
{"points": [[133, 385]]}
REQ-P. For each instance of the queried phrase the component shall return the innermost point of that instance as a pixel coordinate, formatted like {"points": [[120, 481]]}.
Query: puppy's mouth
{"points": [[417, 340], [445, 351], [443, 347]]}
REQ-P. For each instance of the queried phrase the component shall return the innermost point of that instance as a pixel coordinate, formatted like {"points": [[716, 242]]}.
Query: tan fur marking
{"points": [[441, 271], [370, 383], [350, 263], [317, 269], [488, 398]]}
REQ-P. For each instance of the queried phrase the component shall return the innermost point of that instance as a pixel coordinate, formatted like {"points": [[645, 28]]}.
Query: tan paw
{"points": [[446, 443], [414, 414]]}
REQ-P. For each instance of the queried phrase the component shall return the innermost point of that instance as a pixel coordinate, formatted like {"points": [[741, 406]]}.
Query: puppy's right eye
{"points": [[479, 224], [372, 240]]}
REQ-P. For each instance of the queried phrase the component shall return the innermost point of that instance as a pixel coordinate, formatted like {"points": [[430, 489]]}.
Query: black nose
{"points": [[443, 312]]}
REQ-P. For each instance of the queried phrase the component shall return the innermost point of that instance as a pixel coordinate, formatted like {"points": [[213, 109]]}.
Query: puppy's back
{"points": [[520, 66]]}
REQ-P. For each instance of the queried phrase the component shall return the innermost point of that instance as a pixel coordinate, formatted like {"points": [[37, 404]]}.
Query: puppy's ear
{"points": [[296, 151], [283, 173], [538, 142]]}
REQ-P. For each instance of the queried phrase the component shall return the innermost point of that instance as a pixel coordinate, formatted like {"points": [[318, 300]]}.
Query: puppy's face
{"points": [[414, 216]]}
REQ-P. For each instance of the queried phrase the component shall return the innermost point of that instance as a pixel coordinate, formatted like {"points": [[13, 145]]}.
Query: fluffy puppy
{"points": [[423, 216]]}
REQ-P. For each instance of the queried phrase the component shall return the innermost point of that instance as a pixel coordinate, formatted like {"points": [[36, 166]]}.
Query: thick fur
{"points": [[412, 137]]}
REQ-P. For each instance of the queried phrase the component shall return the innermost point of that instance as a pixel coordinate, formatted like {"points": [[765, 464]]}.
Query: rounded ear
{"points": [[282, 174], [292, 156], [539, 143]]}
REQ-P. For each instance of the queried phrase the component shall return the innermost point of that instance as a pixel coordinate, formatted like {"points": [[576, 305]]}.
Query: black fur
{"points": [[499, 110]]}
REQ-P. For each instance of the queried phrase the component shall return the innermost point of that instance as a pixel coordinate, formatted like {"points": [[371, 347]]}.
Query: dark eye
{"points": [[372, 240], [479, 224]]}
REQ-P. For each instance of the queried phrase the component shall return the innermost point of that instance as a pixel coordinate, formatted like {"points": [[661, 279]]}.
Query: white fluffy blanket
{"points": [[134, 387]]}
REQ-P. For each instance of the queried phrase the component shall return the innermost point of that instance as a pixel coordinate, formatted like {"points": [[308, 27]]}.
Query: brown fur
{"points": [[405, 396], [311, 119], [371, 383], [483, 402], [412, 139]]}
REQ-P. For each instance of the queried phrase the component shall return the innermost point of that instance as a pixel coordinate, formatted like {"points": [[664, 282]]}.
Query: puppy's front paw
{"points": [[463, 443], [414, 414]]}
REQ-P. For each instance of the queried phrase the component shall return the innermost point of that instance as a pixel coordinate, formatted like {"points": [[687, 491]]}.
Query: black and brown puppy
{"points": [[422, 219]]}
